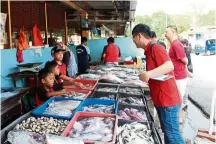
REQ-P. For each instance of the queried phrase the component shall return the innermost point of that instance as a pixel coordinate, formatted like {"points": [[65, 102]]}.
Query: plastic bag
{"points": [[53, 139], [24, 137], [22, 45], [38, 41]]}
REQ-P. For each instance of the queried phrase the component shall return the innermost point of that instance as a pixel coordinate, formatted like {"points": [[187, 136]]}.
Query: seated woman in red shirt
{"points": [[111, 53]]}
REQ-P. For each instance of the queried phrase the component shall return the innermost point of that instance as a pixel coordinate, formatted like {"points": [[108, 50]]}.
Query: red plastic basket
{"points": [[84, 82], [81, 115], [87, 92]]}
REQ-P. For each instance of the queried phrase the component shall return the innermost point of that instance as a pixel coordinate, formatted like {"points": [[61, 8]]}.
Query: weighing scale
{"points": [[32, 67]]}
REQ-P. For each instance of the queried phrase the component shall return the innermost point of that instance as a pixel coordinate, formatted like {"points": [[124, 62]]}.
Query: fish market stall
{"points": [[108, 113]]}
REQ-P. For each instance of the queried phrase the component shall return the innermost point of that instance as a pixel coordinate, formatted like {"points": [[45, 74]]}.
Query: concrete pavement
{"points": [[201, 87]]}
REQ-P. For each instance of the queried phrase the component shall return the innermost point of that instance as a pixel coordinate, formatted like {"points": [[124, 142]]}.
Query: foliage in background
{"points": [[157, 21]]}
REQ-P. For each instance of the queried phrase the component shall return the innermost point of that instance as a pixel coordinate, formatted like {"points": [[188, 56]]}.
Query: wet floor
{"points": [[194, 119]]}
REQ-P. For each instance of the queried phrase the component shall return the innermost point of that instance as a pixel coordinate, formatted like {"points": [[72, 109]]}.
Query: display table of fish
{"points": [[132, 114], [107, 89], [131, 101], [99, 108], [96, 129], [76, 95], [132, 91], [42, 125], [62, 108], [134, 133]]}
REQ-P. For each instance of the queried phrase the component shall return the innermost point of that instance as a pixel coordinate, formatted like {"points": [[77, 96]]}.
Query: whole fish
{"points": [[132, 91], [132, 114], [96, 129], [107, 89], [99, 108], [134, 133], [131, 101]]}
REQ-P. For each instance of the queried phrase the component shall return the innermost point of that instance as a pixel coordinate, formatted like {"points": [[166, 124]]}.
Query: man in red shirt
{"points": [[111, 53], [180, 61], [165, 94]]}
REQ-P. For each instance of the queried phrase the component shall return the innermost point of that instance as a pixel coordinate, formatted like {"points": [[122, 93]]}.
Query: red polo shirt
{"points": [[62, 69], [176, 53], [112, 53], [163, 93]]}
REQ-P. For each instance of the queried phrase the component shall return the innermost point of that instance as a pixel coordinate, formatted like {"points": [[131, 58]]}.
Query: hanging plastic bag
{"points": [[23, 44], [37, 38], [19, 56]]}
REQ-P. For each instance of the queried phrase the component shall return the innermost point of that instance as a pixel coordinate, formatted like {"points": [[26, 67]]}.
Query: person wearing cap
{"points": [[111, 53], [69, 60], [82, 56], [57, 54], [165, 94]]}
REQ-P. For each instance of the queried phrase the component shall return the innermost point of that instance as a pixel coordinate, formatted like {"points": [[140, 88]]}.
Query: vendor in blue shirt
{"points": [[83, 56]]}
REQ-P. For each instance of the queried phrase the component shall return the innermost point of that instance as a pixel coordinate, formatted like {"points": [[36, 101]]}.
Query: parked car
{"points": [[208, 49]]}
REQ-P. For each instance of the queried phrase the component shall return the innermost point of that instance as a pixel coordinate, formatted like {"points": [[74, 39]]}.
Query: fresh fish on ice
{"points": [[54, 139], [131, 101], [96, 129], [76, 95], [90, 76], [24, 137], [132, 114], [110, 78], [108, 97], [107, 89], [62, 108], [99, 108], [132, 91], [134, 133]]}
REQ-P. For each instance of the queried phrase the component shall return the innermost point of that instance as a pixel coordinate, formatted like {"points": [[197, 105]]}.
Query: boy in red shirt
{"points": [[57, 54], [45, 90], [165, 94]]}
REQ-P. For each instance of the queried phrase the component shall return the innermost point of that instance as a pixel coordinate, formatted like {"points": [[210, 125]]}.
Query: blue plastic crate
{"points": [[92, 101], [38, 112]]}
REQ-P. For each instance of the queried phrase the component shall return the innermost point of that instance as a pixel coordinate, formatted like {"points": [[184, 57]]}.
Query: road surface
{"points": [[201, 87]]}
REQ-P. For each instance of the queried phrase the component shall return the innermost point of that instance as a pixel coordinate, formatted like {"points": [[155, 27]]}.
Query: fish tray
{"points": [[143, 108], [81, 115], [11, 126], [107, 85], [121, 95], [92, 101], [87, 92], [98, 94], [38, 112], [84, 82], [155, 135], [133, 87]]}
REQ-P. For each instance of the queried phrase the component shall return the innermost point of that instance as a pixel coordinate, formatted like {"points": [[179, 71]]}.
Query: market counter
{"points": [[12, 104]]}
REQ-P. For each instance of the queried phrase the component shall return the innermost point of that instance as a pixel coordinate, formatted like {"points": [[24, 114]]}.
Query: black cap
{"points": [[56, 49]]}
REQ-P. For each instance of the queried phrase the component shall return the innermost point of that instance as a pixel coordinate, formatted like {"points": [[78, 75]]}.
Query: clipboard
{"points": [[163, 77]]}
